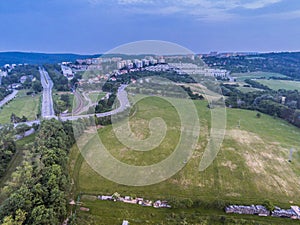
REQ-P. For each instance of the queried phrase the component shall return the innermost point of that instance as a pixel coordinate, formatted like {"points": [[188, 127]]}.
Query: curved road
{"points": [[124, 104]]}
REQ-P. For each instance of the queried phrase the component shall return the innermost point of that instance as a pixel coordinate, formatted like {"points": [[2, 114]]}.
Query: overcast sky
{"points": [[96, 26]]}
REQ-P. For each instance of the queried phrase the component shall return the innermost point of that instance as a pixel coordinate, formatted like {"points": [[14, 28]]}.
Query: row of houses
{"points": [[287, 213], [191, 68], [152, 68], [139, 201], [249, 210], [22, 80], [3, 73], [137, 63], [97, 61], [293, 212]]}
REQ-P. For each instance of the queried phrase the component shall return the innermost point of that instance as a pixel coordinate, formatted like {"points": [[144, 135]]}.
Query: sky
{"points": [[96, 26]]}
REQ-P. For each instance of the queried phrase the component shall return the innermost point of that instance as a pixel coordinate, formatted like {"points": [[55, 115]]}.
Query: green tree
{"points": [[258, 115], [19, 219], [269, 205], [22, 128], [37, 86]]}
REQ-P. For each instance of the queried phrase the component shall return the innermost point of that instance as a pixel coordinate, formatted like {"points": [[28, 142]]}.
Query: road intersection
{"points": [[47, 103]]}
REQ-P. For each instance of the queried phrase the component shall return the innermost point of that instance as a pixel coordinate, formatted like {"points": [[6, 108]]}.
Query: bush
{"points": [[269, 205]]}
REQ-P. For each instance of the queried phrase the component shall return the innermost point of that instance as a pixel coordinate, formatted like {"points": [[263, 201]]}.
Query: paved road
{"points": [[47, 101], [121, 95], [28, 123], [124, 103], [8, 98], [26, 134]]}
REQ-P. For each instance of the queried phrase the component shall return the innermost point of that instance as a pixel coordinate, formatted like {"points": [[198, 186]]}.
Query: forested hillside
{"points": [[38, 58], [287, 63]]}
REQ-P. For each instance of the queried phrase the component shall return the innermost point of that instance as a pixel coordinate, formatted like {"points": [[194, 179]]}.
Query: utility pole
{"points": [[291, 155]]}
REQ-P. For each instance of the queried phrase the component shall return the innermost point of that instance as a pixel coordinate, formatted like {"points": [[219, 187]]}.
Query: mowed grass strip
{"points": [[22, 105], [281, 84], [96, 96], [247, 89], [255, 75]]}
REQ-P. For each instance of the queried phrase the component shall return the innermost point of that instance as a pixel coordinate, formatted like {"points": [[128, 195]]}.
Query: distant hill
{"points": [[286, 63], [38, 58]]}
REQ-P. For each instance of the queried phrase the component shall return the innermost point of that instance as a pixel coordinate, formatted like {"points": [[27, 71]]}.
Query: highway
{"points": [[47, 110]]}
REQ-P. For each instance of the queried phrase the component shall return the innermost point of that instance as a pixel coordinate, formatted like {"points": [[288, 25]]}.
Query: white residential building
{"points": [[67, 72]]}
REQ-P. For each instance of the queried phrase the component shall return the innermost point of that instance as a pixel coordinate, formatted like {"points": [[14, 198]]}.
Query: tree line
{"points": [[284, 104], [60, 82], [7, 147]]}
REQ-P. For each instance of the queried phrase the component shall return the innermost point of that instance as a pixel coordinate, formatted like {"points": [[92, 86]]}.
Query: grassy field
{"points": [[251, 166], [96, 96], [255, 75], [107, 213], [281, 84], [22, 105], [247, 89]]}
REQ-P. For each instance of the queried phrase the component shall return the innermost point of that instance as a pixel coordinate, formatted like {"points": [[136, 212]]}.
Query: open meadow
{"points": [[96, 96], [256, 75], [252, 166], [281, 84], [21, 105]]}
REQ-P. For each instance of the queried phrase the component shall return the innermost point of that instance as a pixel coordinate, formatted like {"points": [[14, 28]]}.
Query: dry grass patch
{"points": [[230, 165], [268, 161]]}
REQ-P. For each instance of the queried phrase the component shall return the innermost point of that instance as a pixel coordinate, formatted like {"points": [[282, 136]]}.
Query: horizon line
{"points": [[201, 53]]}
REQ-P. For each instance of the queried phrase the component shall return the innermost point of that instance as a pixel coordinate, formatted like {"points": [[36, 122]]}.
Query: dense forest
{"points": [[37, 192], [7, 147], [39, 58]]}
